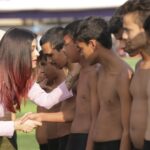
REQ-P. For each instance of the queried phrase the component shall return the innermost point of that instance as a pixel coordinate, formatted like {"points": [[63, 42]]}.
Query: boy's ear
{"points": [[92, 43]]}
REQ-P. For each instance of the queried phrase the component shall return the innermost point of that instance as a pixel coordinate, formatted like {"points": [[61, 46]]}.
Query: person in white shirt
{"points": [[18, 60]]}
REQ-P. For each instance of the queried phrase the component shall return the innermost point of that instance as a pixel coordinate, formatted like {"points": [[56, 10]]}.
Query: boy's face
{"points": [[71, 50], [85, 49], [133, 34], [46, 68], [50, 71], [59, 59], [47, 48], [119, 41], [88, 52]]}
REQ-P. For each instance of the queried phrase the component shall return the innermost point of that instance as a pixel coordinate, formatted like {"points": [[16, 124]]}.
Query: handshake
{"points": [[26, 124]]}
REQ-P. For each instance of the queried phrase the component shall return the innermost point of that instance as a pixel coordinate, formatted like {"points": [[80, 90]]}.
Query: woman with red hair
{"points": [[18, 60]]}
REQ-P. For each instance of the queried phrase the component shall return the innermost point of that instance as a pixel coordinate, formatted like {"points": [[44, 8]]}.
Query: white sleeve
{"points": [[7, 128], [48, 100], [1, 110]]}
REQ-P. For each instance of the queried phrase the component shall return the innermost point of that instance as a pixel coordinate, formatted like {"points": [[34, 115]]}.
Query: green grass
{"points": [[27, 141], [131, 61]]}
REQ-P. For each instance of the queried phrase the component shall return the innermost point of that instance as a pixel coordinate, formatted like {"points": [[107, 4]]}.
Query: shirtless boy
{"points": [[134, 15], [85, 91], [111, 127], [49, 78]]}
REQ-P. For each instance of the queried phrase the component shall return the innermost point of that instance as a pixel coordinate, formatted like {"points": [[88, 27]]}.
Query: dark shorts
{"points": [[53, 144], [43, 146], [108, 145], [63, 142], [77, 141], [146, 145], [133, 148]]}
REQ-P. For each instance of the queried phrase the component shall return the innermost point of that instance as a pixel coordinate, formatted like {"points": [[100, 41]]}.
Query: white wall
{"points": [[13, 5]]}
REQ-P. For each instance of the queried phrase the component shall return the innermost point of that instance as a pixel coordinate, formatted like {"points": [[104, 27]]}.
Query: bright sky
{"points": [[10, 5]]}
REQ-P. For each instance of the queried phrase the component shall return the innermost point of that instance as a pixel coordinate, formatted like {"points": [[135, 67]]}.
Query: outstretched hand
{"points": [[33, 116], [26, 125]]}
